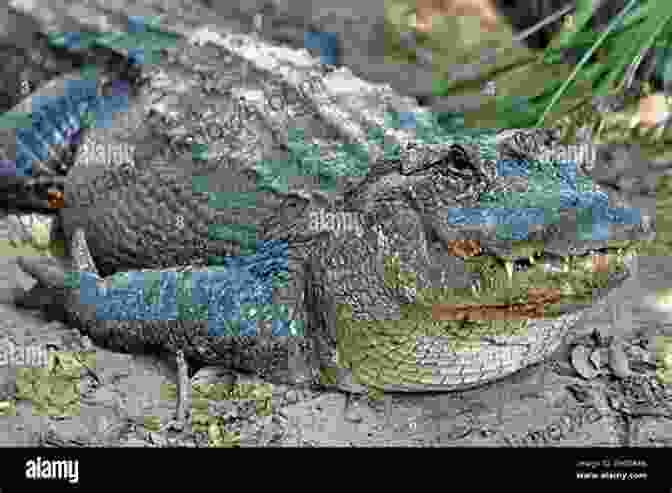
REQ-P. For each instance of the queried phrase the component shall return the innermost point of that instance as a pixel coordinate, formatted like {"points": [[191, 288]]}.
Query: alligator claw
{"points": [[509, 271]]}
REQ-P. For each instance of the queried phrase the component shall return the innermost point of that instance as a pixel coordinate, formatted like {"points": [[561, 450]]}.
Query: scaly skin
{"points": [[36, 72], [404, 200]]}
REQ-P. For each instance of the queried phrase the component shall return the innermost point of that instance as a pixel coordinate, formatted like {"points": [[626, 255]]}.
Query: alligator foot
{"points": [[354, 393]]}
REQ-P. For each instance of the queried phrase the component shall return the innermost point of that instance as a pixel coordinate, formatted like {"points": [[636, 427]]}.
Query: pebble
{"points": [[157, 439], [592, 415], [212, 375], [353, 414], [653, 109], [292, 396], [618, 361], [599, 358], [581, 363]]}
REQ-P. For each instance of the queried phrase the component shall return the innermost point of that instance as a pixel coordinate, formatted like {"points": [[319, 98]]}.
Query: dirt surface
{"points": [[617, 402]]}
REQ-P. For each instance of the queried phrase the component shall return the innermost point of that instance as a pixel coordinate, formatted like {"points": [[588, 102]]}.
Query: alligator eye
{"points": [[460, 158]]}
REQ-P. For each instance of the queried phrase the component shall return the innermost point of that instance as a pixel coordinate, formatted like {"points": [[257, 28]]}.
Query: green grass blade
{"points": [[582, 15], [644, 49], [584, 60]]}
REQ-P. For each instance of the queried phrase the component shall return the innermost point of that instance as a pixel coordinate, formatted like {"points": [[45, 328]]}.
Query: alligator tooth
{"points": [[633, 264], [508, 265], [476, 287]]}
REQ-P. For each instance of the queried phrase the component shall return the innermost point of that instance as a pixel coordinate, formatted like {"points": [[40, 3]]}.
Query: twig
{"points": [[183, 391]]}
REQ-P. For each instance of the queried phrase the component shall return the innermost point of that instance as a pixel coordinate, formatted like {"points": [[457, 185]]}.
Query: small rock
{"points": [[353, 414], [581, 363], [593, 415], [653, 109], [618, 361], [212, 375], [292, 396], [282, 412], [157, 439], [599, 357]]}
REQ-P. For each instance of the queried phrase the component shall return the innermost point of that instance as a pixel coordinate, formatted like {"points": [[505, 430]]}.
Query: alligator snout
{"points": [[27, 193]]}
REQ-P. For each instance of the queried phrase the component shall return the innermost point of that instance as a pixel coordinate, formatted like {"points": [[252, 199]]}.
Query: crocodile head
{"points": [[520, 233]]}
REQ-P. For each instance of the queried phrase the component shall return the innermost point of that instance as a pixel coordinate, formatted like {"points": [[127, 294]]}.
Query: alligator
{"points": [[361, 308]]}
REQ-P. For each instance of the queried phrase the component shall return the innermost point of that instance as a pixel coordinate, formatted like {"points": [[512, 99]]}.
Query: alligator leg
{"points": [[401, 236], [52, 275]]}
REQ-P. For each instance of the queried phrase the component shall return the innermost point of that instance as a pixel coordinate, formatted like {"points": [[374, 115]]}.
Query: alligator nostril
{"points": [[55, 199]]}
